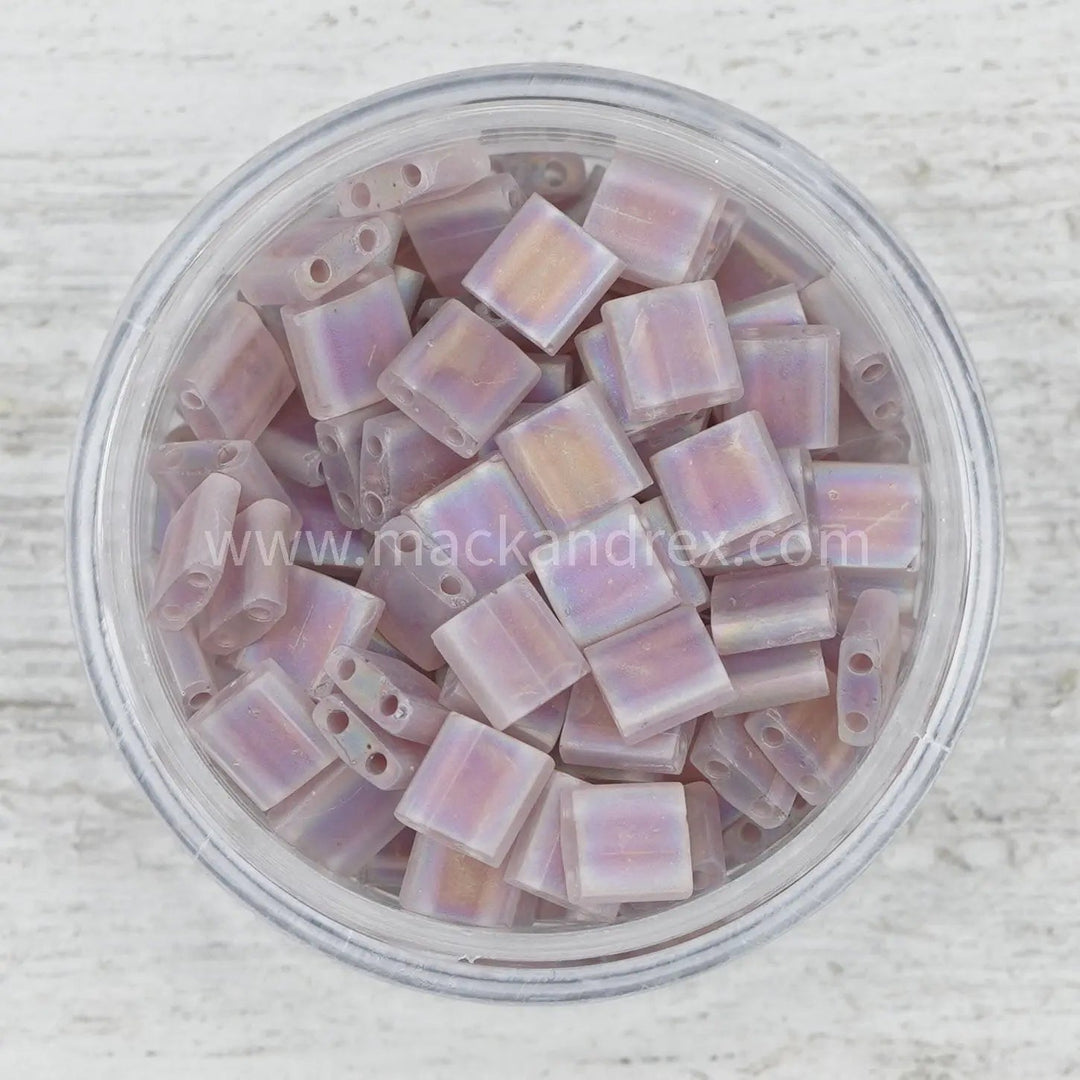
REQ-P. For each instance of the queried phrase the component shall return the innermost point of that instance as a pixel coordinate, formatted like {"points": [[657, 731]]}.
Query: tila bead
{"points": [[706, 836], [289, 445], [558, 177], [324, 541], [776, 307], [869, 662], [775, 676], [189, 667], [689, 580], [761, 259], [556, 377], [340, 445]]}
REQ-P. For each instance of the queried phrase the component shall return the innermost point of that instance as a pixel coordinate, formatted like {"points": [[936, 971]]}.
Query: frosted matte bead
{"points": [[394, 694], [386, 870], [590, 737], [558, 177], [474, 789], [446, 884], [314, 259], [659, 674], [420, 176], [745, 840], [194, 551], [556, 377], [484, 518], [764, 609], [572, 459], [338, 820], [420, 587], [802, 741], [380, 758], [251, 595], [706, 836], [660, 221], [761, 259], [775, 677], [543, 274], [689, 581], [289, 445], [732, 762], [727, 229], [867, 371], [321, 613], [579, 208], [858, 441], [410, 284], [650, 441], [672, 350], [869, 662], [604, 576], [777, 307], [237, 378], [852, 581], [725, 486], [190, 670], [869, 514], [342, 346], [323, 540], [626, 842], [451, 233], [600, 366], [510, 652], [259, 732], [791, 376], [459, 379]]}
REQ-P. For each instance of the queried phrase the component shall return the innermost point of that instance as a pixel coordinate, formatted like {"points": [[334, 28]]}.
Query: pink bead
{"points": [[659, 674], [590, 737], [731, 761], [869, 662], [321, 614], [791, 376], [604, 576], [394, 694], [859, 441], [510, 652], [852, 581], [410, 284], [258, 731], [251, 595], [556, 378], [870, 515], [706, 836], [474, 789], [776, 676], [340, 446], [558, 177], [761, 259], [190, 670], [626, 842], [237, 379], [660, 221], [289, 445], [420, 586], [543, 274], [338, 820], [459, 379], [193, 552], [689, 581], [764, 609], [342, 346], [446, 884], [724, 486], [572, 459], [777, 307], [323, 540], [672, 351], [600, 366]]}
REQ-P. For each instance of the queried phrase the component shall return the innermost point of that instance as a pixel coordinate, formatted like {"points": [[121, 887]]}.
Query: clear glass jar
{"points": [[541, 107]]}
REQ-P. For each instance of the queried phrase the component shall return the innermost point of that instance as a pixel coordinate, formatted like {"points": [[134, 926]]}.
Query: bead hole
{"points": [[376, 764], [412, 175], [857, 722], [860, 663], [346, 669], [772, 736], [388, 706], [361, 196], [192, 400], [337, 720], [319, 271]]}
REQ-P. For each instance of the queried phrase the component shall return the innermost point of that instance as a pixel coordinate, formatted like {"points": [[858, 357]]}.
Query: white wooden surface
{"points": [[956, 955]]}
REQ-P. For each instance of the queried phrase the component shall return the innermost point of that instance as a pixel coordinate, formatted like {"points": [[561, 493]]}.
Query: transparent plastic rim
{"points": [[108, 667]]}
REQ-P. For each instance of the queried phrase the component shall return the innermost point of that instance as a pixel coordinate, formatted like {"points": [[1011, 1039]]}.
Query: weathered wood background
{"points": [[956, 955]]}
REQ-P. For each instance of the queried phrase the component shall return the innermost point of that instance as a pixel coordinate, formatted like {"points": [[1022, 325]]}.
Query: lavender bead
{"points": [[869, 662], [258, 731], [556, 378], [731, 761], [338, 820], [689, 581], [474, 789], [459, 379], [600, 366], [791, 376], [238, 377], [193, 552], [745, 840], [626, 842], [852, 581], [706, 836], [724, 486], [660, 221], [761, 259], [191, 672], [510, 652], [659, 674], [323, 541], [340, 445], [572, 459], [777, 307], [775, 676], [859, 441], [289, 445], [558, 177], [543, 274]]}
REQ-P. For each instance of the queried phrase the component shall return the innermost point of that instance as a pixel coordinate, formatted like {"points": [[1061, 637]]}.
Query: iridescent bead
{"points": [[237, 378], [323, 541], [761, 259], [289, 445], [194, 551], [775, 676], [598, 361], [543, 274], [558, 177], [259, 732], [706, 836], [626, 842], [724, 486], [689, 580], [459, 379], [474, 789], [578, 210], [556, 377], [510, 652], [859, 441], [340, 444], [869, 662], [659, 674], [386, 871], [190, 670], [660, 221], [777, 307], [852, 581], [410, 285], [572, 459]]}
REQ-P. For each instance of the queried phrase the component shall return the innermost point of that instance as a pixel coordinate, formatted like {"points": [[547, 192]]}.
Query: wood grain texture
{"points": [[958, 952]]}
